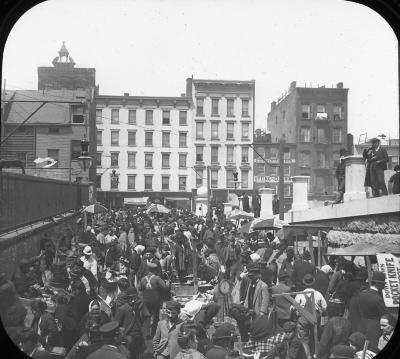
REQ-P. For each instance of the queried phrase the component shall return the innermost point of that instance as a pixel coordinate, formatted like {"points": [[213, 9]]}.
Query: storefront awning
{"points": [[177, 198], [137, 201]]}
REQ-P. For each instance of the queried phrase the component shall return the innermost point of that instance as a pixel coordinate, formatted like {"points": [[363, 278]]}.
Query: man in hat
{"points": [[302, 267], [394, 181], [282, 304], [88, 260], [288, 264], [371, 307], [340, 175], [223, 342], [257, 295], [377, 159], [256, 203], [110, 349], [262, 338], [290, 347], [165, 341], [135, 260]]}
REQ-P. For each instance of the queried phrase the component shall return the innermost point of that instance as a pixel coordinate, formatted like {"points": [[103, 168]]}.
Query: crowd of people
{"points": [[108, 292]]}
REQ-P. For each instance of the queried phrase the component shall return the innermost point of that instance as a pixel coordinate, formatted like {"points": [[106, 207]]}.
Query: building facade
{"points": [[222, 128], [144, 149], [315, 119]]}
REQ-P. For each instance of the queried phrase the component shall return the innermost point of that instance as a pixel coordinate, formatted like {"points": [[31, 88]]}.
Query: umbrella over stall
{"points": [[157, 208], [95, 208], [237, 214]]}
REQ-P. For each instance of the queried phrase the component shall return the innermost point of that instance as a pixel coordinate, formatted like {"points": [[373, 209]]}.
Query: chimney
{"points": [[126, 94], [189, 83], [339, 85], [273, 105], [292, 86]]}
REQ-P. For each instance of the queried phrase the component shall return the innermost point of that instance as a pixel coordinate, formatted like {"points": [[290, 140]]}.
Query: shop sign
{"points": [[389, 264]]}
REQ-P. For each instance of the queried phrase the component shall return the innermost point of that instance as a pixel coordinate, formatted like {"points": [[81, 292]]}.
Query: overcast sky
{"points": [[149, 47]]}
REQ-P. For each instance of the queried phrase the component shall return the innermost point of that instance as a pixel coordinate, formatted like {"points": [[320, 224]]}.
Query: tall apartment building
{"points": [[315, 119], [222, 127], [144, 141]]}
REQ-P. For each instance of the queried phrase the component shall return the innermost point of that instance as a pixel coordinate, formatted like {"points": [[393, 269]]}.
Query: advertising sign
{"points": [[389, 264]]}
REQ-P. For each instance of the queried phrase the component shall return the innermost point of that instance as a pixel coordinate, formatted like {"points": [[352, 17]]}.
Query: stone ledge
{"points": [[371, 206]]}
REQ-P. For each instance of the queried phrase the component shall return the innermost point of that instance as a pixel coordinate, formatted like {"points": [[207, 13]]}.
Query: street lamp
{"points": [[85, 161]]}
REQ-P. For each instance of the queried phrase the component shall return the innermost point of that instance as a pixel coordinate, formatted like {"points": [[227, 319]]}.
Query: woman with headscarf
{"points": [[66, 324], [78, 304], [95, 314]]}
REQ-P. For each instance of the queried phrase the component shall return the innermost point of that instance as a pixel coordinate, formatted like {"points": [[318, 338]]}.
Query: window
{"points": [[199, 178], [114, 180], [245, 108], [23, 157], [322, 160], [335, 158], [319, 184], [273, 171], [306, 112], [305, 134], [131, 182], [78, 114], [148, 182], [114, 159], [229, 154], [182, 139], [286, 190], [337, 135], [98, 181], [286, 154], [148, 139], [245, 154], [245, 130], [131, 117], [229, 107], [182, 160], [214, 154], [114, 138], [131, 159], [245, 179], [148, 160], [76, 148], [286, 170], [182, 183], [200, 106], [321, 138], [304, 159], [214, 178], [54, 131], [99, 115], [337, 113], [199, 153], [98, 159], [165, 183], [131, 138], [54, 154], [149, 117], [214, 130], [230, 130], [115, 116], [214, 106], [166, 117], [165, 160], [321, 113], [229, 179], [99, 138], [182, 118], [165, 139], [273, 152], [199, 130]]}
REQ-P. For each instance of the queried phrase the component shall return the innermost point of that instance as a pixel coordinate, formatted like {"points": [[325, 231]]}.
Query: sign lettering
{"points": [[390, 265]]}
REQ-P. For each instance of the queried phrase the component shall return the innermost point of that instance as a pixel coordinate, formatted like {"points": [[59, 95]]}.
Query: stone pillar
{"points": [[300, 193], [240, 203], [355, 176], [266, 201], [227, 208]]}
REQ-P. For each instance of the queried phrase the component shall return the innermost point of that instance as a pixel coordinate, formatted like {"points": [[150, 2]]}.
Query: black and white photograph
{"points": [[199, 179]]}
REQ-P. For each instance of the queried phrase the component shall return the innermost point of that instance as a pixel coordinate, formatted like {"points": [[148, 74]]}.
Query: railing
{"points": [[27, 199]]}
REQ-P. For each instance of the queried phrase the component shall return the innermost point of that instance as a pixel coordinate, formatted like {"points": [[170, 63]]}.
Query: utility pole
{"points": [[281, 183], [3, 117], [209, 192], [93, 141]]}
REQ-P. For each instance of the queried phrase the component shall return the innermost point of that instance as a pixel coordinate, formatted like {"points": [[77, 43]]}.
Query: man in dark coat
{"points": [[377, 159], [256, 204], [302, 267], [245, 202], [340, 175], [394, 181], [370, 307], [281, 303], [275, 205]]}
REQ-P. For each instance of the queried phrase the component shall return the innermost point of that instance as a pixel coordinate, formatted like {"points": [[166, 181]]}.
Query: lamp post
{"points": [[85, 162]]}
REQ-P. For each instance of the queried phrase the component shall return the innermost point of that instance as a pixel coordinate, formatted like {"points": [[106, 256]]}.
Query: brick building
{"points": [[315, 119]]}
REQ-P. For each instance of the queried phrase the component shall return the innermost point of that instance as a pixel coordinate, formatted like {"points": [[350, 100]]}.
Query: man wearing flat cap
{"points": [[370, 309], [165, 341], [257, 295], [223, 342], [301, 267], [376, 158]]}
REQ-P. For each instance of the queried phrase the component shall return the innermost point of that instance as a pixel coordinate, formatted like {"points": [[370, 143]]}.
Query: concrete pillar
{"points": [[240, 203], [266, 201], [300, 193], [227, 208], [355, 175]]}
